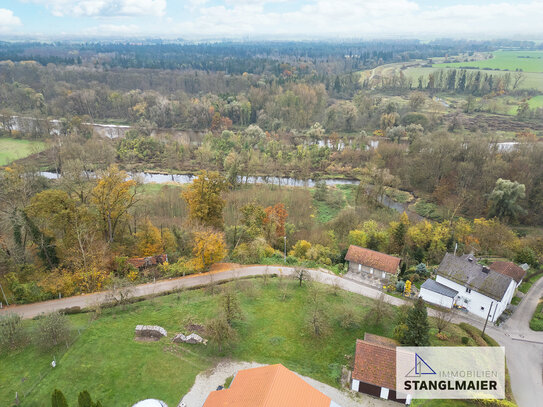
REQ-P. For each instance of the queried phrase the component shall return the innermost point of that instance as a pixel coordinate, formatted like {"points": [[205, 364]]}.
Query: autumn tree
{"points": [[204, 198], [209, 248], [149, 240], [113, 196], [274, 222]]}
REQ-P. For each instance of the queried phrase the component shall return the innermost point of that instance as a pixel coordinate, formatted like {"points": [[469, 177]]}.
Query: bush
{"points": [[52, 330], [465, 340], [12, 334], [400, 286]]}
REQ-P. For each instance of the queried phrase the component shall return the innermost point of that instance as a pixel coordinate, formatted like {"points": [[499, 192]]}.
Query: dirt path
{"points": [[208, 381]]}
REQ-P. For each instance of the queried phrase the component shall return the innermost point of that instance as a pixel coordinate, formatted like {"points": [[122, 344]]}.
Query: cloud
{"points": [[104, 8], [7, 20], [365, 18]]}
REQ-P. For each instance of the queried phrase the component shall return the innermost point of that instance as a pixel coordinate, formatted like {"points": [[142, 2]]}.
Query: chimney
{"points": [[485, 269]]}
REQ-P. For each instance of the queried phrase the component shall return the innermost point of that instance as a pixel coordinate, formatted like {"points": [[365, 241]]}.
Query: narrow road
{"points": [[523, 347]]}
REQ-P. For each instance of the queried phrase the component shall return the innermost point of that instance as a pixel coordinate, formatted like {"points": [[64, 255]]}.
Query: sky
{"points": [[273, 19]]}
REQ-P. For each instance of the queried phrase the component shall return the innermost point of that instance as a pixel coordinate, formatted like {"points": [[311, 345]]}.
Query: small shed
{"points": [[371, 262], [436, 293]]}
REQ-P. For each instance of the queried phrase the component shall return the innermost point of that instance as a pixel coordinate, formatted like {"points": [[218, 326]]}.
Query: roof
{"points": [[466, 271], [371, 258], [509, 269], [375, 363], [439, 288], [267, 386], [380, 340]]}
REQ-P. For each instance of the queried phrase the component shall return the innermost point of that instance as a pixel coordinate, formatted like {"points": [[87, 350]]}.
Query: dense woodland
{"points": [[285, 109]]}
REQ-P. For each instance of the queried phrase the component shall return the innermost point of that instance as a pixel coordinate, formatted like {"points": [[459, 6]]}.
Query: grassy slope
{"points": [[536, 323], [13, 149], [114, 368], [505, 60]]}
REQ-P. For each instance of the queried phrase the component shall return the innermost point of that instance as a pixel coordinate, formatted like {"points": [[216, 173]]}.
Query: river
{"points": [[154, 178]]}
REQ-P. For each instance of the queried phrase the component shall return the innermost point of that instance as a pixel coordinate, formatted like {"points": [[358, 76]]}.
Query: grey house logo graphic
{"points": [[421, 368]]}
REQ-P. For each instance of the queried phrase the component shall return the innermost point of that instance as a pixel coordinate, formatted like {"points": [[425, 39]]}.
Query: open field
{"points": [[527, 61], [534, 80], [106, 361], [13, 149]]}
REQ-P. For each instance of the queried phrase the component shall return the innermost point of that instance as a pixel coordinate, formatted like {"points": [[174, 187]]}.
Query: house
{"points": [[510, 269], [143, 262], [479, 289], [370, 262], [375, 368], [268, 386]]}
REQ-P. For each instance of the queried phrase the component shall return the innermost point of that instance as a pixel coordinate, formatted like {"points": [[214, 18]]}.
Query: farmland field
{"points": [[527, 61], [12, 149], [534, 80]]}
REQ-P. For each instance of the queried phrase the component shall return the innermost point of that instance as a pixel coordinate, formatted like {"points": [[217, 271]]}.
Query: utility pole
{"points": [[490, 309], [285, 256], [4, 294]]}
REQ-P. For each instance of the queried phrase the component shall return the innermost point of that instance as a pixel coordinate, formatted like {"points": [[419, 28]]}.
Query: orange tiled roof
{"points": [[375, 364], [267, 386], [509, 269], [371, 258]]}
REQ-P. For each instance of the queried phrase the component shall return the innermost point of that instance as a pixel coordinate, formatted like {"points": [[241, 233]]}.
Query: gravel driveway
{"points": [[208, 381]]}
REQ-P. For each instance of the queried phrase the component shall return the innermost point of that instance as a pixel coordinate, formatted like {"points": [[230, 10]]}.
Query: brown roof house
{"points": [[268, 386], [371, 263], [375, 368], [510, 269]]}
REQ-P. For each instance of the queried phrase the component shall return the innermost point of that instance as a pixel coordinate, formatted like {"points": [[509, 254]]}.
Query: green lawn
{"points": [[529, 280], [536, 323], [527, 61], [533, 102], [106, 361], [13, 149], [534, 80]]}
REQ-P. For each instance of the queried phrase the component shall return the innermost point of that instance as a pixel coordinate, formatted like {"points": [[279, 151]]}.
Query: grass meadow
{"points": [[527, 61], [107, 361], [14, 149]]}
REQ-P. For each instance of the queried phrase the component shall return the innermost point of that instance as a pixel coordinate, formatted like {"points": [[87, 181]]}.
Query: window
{"points": [[468, 290]]}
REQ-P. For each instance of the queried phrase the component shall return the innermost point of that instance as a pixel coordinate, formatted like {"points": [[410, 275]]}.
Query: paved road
{"points": [[523, 347]]}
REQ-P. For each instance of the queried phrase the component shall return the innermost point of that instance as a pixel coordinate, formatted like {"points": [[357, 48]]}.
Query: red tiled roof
{"points": [[509, 269], [375, 364], [141, 262], [267, 386], [380, 340], [371, 258]]}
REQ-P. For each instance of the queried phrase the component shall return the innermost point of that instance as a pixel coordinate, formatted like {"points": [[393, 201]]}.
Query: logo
{"points": [[442, 372], [421, 367]]}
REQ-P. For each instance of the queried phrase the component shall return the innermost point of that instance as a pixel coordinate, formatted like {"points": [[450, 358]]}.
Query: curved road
{"points": [[523, 347]]}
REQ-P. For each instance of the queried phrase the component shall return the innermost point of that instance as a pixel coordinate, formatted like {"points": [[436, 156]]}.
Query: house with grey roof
{"points": [[462, 282]]}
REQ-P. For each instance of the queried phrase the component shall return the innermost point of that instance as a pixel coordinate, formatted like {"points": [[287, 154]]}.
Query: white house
{"points": [[479, 289]]}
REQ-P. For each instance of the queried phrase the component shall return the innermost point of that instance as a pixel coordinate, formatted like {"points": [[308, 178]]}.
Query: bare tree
{"points": [[230, 306], [443, 318], [301, 275], [518, 78], [121, 292], [219, 332], [378, 311], [317, 317]]}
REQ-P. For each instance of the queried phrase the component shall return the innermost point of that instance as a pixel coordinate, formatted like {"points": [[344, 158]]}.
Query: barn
{"points": [[375, 368], [376, 264]]}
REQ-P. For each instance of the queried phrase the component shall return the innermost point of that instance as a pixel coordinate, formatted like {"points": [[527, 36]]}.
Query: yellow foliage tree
{"points": [[407, 289], [209, 248], [300, 249], [204, 198], [113, 196], [149, 241]]}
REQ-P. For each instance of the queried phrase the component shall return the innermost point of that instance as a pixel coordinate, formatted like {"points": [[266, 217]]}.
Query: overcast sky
{"points": [[200, 19]]}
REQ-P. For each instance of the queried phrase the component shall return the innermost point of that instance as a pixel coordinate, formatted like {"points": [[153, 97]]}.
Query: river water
{"points": [[153, 178]]}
